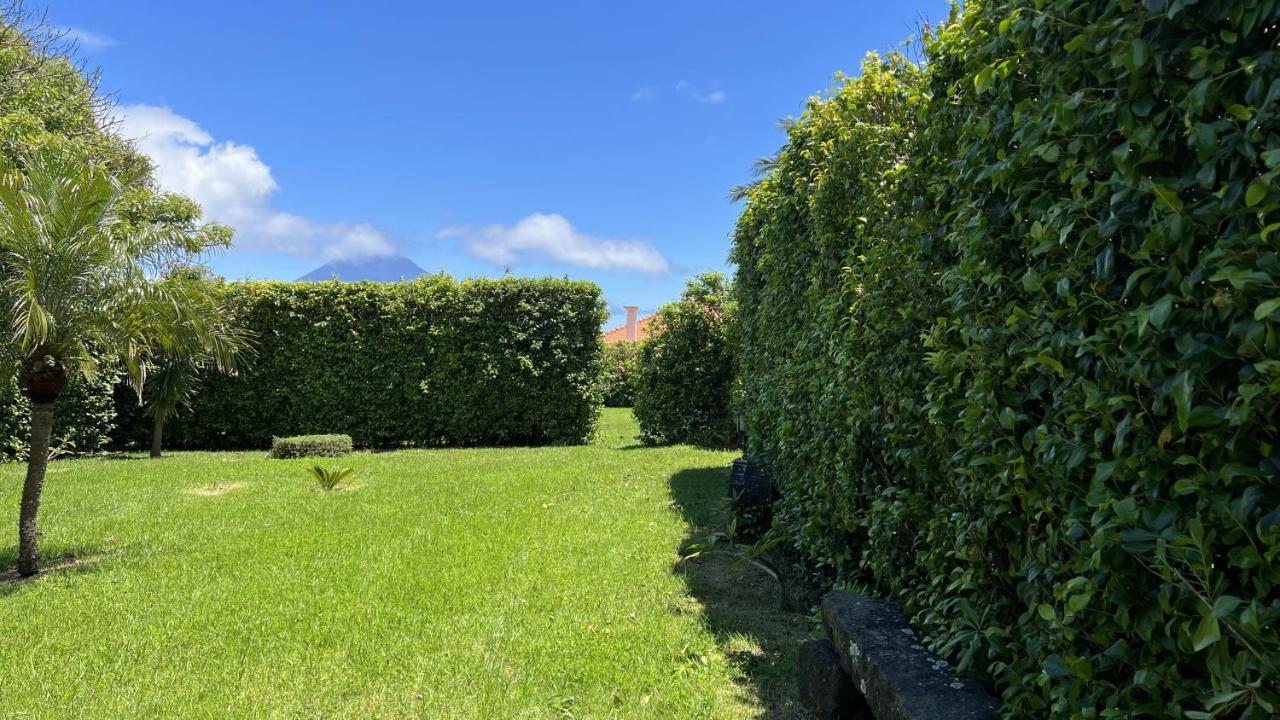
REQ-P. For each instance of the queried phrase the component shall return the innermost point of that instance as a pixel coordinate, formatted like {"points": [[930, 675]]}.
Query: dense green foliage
{"points": [[299, 446], [684, 372], [83, 423], [435, 361], [48, 107], [834, 297], [1011, 340], [618, 374]]}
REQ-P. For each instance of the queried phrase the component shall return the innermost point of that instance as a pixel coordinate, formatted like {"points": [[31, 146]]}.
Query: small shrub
{"points": [[328, 479], [311, 446]]}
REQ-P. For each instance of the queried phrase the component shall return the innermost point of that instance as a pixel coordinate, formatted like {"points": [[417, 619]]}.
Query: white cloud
{"points": [[715, 97], [642, 94], [234, 186], [85, 39], [551, 236]]}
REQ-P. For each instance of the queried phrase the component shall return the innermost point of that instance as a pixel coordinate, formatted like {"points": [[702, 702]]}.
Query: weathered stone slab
{"points": [[897, 676], [825, 688]]}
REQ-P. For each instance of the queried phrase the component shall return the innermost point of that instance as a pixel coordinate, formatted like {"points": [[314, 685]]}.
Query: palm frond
{"points": [[79, 268]]}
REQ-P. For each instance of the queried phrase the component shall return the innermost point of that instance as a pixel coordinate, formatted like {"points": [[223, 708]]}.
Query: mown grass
{"points": [[477, 583]]}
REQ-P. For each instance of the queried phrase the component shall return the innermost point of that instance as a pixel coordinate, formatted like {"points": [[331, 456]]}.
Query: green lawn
{"points": [[480, 583]]}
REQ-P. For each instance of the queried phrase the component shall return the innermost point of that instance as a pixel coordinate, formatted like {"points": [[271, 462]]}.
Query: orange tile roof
{"points": [[644, 328]]}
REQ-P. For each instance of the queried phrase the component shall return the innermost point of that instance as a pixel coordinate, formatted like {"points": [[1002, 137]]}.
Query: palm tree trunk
{"points": [[37, 463], [157, 435]]}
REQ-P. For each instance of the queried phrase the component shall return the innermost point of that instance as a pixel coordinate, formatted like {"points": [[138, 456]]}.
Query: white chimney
{"points": [[631, 321]]}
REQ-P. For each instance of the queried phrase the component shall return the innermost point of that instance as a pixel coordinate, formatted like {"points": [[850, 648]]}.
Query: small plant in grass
{"points": [[311, 446], [726, 543], [327, 478]]}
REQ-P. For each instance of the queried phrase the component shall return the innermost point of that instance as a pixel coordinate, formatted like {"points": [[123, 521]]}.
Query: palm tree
{"points": [[170, 385], [174, 373], [77, 271], [172, 382]]}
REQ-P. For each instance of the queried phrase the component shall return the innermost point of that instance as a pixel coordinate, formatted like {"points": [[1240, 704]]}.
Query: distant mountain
{"points": [[379, 269]]}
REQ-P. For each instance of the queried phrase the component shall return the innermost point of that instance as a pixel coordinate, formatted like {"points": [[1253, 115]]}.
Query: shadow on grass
{"points": [[76, 562], [739, 602], [114, 455], [637, 445]]}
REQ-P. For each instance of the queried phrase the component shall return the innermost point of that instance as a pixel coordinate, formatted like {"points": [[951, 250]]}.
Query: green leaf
{"points": [[1240, 278], [1105, 470], [1168, 196], [1207, 633], [1223, 698], [982, 81], [1105, 262], [1160, 311], [1225, 605], [1079, 601], [1052, 364], [1137, 55], [1256, 193], [1182, 390], [1266, 309], [1046, 612], [1054, 666]]}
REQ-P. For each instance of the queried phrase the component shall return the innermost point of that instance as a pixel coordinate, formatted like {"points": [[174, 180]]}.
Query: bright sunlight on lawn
{"points": [[481, 583]]}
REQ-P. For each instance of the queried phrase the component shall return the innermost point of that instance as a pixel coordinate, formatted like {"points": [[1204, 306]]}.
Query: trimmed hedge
{"points": [[1011, 343], [618, 374], [300, 446], [834, 294], [684, 373], [434, 361]]}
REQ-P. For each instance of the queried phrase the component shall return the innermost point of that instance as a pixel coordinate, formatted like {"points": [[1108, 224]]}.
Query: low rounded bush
{"points": [[311, 446]]}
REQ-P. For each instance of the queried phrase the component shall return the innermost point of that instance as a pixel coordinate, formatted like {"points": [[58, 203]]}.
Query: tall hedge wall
{"points": [[1011, 332], [434, 361]]}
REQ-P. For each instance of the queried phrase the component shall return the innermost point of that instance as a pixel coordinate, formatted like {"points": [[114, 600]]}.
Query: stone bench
{"points": [[874, 668]]}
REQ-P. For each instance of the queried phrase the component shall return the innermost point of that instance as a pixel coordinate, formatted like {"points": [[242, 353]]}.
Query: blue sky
{"points": [[597, 140]]}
